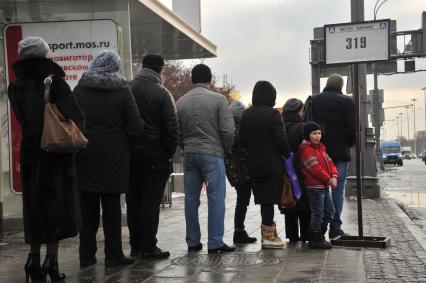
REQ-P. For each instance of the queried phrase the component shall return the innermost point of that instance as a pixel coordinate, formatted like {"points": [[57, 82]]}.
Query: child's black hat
{"points": [[309, 128]]}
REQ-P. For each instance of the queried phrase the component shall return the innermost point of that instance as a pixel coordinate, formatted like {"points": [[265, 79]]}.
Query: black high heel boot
{"points": [[50, 267], [33, 269]]}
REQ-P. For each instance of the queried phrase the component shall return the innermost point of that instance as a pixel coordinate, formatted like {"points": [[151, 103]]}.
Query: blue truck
{"points": [[392, 152]]}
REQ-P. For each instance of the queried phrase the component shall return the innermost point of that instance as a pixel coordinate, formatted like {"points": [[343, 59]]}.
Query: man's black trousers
{"points": [[143, 207]]}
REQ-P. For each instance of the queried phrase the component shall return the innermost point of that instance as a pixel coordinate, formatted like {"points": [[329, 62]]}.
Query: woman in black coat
{"points": [[262, 133], [111, 117], [49, 190], [301, 213]]}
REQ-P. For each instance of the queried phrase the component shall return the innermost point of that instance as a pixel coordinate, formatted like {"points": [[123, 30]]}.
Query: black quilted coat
{"points": [[262, 133], [111, 116], [49, 193]]}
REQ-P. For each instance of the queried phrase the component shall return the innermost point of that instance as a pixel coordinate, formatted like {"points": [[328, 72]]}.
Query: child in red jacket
{"points": [[320, 175]]}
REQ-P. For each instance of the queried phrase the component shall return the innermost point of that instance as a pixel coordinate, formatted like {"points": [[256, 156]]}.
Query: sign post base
{"points": [[363, 242]]}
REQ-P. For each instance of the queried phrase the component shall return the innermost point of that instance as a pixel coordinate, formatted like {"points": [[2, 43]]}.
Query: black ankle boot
{"points": [[241, 237], [33, 269], [50, 267], [316, 241]]}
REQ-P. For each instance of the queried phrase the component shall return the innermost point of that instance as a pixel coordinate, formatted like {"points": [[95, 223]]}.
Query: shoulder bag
{"points": [[59, 135]]}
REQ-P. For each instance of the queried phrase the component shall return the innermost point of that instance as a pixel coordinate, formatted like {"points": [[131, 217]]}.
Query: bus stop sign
{"points": [[357, 42]]}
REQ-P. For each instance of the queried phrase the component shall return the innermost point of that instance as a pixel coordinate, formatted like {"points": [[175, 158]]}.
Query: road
{"points": [[407, 186]]}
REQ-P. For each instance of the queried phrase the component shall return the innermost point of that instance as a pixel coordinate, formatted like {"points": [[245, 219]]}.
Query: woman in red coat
{"points": [[320, 175]]}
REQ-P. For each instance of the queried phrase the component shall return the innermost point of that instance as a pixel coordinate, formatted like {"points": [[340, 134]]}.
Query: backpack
{"points": [[307, 110]]}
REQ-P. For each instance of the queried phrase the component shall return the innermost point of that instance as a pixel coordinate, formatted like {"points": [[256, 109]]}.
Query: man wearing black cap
{"points": [[151, 158], [207, 129], [335, 113]]}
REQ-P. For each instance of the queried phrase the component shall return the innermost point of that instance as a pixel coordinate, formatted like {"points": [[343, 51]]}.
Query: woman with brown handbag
{"points": [[49, 194]]}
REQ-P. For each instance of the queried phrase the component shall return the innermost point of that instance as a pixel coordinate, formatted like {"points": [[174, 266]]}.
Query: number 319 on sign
{"points": [[356, 42]]}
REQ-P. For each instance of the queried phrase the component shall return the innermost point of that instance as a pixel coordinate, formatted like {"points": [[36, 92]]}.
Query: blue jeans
{"points": [[199, 168], [322, 209], [338, 194]]}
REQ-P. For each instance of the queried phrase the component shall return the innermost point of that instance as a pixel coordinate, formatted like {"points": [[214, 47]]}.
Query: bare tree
{"points": [[177, 78]]}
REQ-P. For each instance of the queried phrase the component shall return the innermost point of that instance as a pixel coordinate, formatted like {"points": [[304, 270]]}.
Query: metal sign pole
{"points": [[356, 43], [358, 151]]}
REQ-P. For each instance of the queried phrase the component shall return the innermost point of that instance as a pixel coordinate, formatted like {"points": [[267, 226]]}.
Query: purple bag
{"points": [[288, 164]]}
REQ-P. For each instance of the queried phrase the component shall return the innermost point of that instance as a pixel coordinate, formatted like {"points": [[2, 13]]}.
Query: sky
{"points": [[270, 40]]}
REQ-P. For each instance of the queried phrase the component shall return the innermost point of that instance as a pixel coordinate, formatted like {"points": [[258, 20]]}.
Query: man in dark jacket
{"points": [[151, 158], [336, 114]]}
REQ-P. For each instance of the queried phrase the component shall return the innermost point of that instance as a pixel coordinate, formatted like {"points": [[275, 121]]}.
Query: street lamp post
{"points": [[379, 155], [424, 94], [408, 123], [397, 128], [414, 121], [400, 128]]}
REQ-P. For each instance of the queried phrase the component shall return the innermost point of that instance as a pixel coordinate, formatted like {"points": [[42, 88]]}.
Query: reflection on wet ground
{"points": [[411, 199], [407, 186]]}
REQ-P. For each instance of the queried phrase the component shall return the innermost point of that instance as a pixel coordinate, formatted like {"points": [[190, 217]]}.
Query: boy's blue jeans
{"points": [[210, 169], [322, 209]]}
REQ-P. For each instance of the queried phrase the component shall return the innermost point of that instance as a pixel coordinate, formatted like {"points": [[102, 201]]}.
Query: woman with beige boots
{"points": [[262, 133]]}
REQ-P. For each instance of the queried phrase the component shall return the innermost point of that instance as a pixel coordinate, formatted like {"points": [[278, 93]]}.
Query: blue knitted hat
{"points": [[106, 61]]}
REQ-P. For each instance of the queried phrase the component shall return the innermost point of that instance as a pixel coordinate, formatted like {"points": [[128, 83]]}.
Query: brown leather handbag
{"points": [[287, 198], [59, 135]]}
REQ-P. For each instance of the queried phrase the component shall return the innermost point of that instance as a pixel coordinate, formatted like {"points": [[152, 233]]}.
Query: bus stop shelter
{"points": [[143, 27]]}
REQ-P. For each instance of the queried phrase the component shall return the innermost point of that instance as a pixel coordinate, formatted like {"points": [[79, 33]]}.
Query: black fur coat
{"points": [[50, 203]]}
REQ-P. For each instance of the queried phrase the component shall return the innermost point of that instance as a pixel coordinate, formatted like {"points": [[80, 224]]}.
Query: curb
{"points": [[411, 226]]}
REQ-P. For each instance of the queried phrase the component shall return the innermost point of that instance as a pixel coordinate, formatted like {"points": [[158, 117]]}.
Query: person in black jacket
{"points": [[300, 215], [238, 176], [151, 160], [49, 192], [262, 133], [335, 113], [103, 166]]}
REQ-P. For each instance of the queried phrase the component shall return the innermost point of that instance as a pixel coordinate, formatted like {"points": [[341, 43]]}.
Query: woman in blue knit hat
{"points": [[103, 166]]}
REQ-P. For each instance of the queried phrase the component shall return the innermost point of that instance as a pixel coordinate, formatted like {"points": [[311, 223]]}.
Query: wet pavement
{"points": [[406, 185], [403, 261]]}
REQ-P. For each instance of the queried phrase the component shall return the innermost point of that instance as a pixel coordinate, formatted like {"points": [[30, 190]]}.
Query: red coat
{"points": [[316, 165]]}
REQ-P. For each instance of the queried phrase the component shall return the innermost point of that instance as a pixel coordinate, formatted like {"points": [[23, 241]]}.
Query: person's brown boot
{"points": [[270, 239]]}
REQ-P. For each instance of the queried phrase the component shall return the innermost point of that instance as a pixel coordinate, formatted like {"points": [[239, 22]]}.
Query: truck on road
{"points": [[406, 152], [392, 152]]}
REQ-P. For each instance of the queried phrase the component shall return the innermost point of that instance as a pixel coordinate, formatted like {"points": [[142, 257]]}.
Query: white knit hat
{"points": [[33, 47]]}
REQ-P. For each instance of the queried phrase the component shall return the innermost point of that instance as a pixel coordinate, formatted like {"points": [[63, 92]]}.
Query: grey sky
{"points": [[269, 40]]}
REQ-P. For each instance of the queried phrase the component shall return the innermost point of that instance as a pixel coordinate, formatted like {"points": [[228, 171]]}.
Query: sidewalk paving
{"points": [[403, 261]]}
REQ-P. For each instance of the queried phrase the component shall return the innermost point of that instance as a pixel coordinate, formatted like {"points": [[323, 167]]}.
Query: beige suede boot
{"points": [[270, 239]]}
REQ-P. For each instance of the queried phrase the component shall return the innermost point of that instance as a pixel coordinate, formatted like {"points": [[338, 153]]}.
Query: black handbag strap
{"points": [[47, 83]]}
